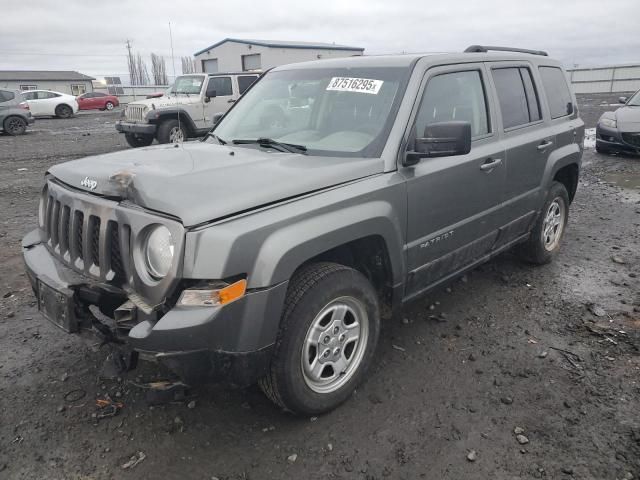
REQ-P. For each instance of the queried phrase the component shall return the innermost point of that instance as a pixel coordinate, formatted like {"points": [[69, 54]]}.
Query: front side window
{"points": [[30, 95], [517, 96], [634, 101], [222, 86], [454, 96], [42, 95], [330, 111], [557, 91]]}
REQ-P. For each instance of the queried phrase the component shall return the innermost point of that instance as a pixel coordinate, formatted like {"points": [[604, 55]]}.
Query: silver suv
{"points": [[330, 195], [187, 109], [14, 113]]}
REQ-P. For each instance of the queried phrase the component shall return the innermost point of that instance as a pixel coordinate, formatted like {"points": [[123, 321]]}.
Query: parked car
{"points": [[97, 101], [14, 113], [185, 110], [270, 251], [45, 103], [619, 131]]}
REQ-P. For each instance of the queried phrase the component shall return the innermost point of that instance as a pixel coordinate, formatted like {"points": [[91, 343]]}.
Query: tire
{"points": [[109, 106], [602, 150], [172, 131], [14, 125], [319, 295], [546, 236], [64, 111], [136, 141]]}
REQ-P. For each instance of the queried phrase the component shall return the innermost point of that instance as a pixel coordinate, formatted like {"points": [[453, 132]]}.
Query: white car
{"points": [[43, 103]]}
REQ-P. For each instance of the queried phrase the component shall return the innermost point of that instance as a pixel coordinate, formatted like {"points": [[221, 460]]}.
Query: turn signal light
{"points": [[213, 297]]}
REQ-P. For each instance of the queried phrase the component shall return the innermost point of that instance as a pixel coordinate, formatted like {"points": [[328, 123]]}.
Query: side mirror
{"points": [[211, 91], [622, 99], [217, 117], [443, 139]]}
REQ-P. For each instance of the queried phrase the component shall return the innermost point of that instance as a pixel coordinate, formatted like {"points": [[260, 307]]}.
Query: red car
{"points": [[97, 101]]}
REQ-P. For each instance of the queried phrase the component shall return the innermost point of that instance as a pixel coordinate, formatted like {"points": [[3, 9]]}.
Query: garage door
{"points": [[210, 66]]}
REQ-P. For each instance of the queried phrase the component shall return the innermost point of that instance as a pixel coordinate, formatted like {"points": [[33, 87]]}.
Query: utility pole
{"points": [[131, 66]]}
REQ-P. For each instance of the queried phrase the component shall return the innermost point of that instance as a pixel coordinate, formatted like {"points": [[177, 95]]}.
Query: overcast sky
{"points": [[90, 37]]}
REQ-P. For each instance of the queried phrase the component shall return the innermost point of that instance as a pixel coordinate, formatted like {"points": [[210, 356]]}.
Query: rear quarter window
{"points": [[555, 87], [6, 95]]}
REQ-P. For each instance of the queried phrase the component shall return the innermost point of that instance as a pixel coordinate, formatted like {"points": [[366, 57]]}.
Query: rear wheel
{"points": [[136, 141], [172, 131], [328, 336], [15, 125], [545, 239], [64, 111], [108, 106]]}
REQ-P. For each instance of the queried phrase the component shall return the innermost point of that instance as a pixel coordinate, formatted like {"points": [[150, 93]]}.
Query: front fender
{"points": [[268, 245], [159, 115]]}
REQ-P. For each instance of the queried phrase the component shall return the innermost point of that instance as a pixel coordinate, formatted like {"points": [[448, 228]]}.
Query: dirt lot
{"points": [[553, 351]]}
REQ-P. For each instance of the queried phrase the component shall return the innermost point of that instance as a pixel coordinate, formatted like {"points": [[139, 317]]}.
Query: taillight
{"points": [[24, 105]]}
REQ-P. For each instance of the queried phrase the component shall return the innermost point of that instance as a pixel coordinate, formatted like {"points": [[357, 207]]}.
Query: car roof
{"points": [[408, 59]]}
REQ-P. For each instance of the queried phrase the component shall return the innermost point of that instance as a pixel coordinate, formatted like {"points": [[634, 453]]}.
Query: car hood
{"points": [[167, 101], [199, 182], [628, 119]]}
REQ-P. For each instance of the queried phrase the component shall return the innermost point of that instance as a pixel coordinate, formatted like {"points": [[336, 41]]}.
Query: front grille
{"points": [[632, 139], [135, 113], [76, 235]]}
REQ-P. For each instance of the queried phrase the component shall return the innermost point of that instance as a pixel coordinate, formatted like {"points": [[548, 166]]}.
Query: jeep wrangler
{"points": [[187, 109], [331, 194]]}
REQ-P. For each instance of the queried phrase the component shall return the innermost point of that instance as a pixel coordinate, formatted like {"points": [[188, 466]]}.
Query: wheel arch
{"points": [[159, 116], [564, 167]]}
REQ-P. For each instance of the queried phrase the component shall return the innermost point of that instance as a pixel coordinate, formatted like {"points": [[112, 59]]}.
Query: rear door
{"points": [[453, 201], [528, 141]]}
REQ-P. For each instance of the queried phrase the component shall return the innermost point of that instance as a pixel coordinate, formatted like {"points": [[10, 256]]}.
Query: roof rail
{"points": [[486, 48]]}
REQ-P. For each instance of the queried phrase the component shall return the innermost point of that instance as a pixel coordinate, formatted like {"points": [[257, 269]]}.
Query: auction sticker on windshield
{"points": [[359, 85]]}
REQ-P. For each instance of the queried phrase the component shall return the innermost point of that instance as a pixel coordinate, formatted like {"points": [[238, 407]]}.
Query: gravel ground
{"points": [[511, 372]]}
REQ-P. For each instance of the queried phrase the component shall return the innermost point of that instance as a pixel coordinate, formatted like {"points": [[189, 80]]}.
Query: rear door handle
{"points": [[490, 164], [544, 145]]}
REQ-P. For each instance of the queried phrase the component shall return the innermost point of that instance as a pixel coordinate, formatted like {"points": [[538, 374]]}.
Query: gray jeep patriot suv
{"points": [[331, 194]]}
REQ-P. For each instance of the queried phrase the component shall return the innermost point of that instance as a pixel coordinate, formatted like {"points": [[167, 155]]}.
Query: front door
{"points": [[226, 95], [453, 202]]}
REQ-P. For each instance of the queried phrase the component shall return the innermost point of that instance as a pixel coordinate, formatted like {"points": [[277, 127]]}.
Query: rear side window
{"points": [[245, 82], [454, 96], [6, 95], [557, 90], [222, 86], [518, 98]]}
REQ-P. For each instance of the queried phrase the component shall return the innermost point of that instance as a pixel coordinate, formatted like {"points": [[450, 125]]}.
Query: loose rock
{"points": [[472, 456], [518, 430], [507, 400], [522, 440], [292, 458]]}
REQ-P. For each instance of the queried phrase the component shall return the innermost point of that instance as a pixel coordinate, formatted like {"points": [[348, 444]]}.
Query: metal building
{"points": [[241, 55], [612, 79], [70, 82]]}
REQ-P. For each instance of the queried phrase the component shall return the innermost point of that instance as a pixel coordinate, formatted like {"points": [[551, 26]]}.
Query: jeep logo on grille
{"points": [[89, 183]]}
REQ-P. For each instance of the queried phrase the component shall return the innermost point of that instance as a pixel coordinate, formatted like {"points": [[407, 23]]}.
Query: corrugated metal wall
{"points": [[613, 79]]}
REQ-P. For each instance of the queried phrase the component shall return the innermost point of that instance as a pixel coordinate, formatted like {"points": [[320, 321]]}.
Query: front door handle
{"points": [[230, 101], [490, 164], [544, 145]]}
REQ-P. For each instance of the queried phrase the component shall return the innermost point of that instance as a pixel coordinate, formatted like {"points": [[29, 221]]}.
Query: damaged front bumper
{"points": [[230, 343]]}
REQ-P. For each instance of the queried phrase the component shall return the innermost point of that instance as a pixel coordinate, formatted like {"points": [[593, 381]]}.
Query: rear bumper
{"points": [[137, 128], [613, 139], [231, 344]]}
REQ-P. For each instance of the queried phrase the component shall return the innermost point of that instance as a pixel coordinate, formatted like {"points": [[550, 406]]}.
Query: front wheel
{"points": [[136, 141], [64, 111], [172, 131], [328, 335], [547, 234]]}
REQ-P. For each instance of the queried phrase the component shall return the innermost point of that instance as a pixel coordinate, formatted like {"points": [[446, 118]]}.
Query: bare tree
{"points": [[159, 70], [188, 65], [138, 74]]}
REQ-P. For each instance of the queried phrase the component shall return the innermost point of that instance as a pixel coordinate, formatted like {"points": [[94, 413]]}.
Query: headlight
{"points": [[608, 122], [159, 252]]}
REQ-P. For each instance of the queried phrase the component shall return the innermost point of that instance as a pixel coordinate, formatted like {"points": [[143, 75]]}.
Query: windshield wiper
{"points": [[216, 137], [270, 142]]}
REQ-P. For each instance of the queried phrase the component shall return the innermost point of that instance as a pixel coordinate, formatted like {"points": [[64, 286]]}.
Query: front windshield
{"points": [[635, 100], [187, 85], [332, 112]]}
